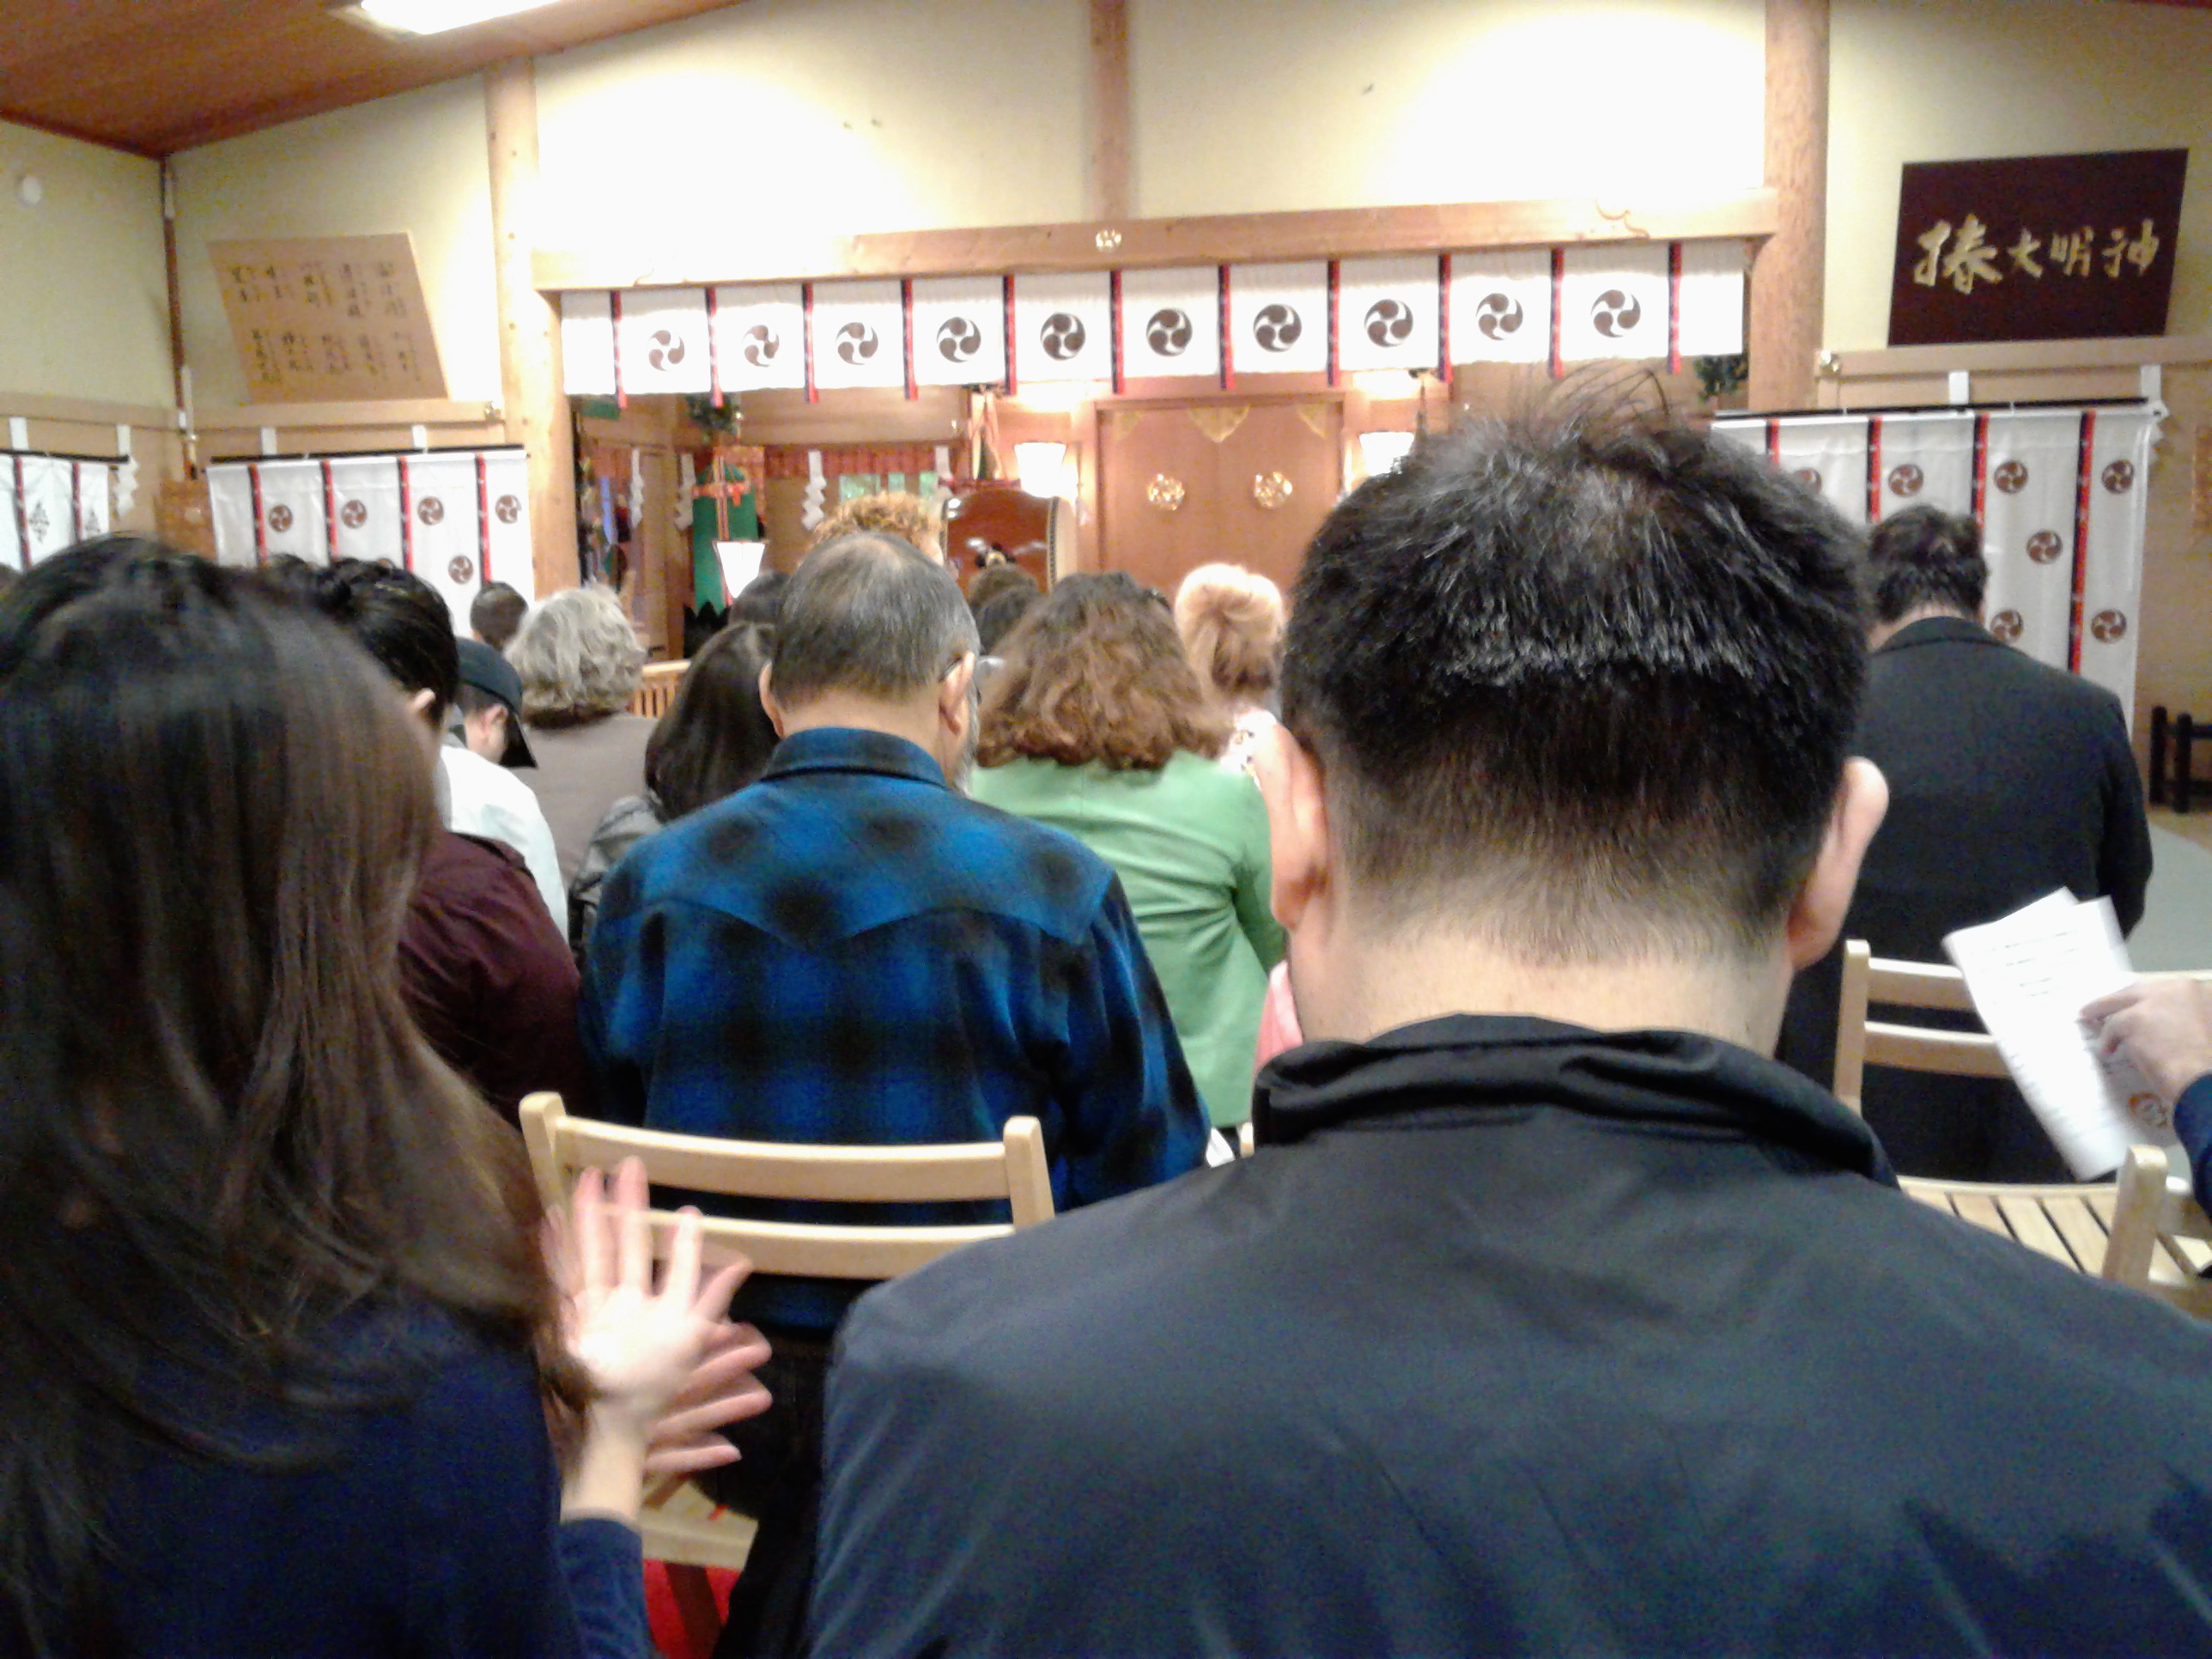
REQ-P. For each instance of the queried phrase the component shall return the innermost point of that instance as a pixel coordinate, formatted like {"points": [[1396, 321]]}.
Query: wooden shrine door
{"points": [[1248, 481]]}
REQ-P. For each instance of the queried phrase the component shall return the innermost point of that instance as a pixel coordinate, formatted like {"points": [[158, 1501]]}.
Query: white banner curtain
{"points": [[230, 504], [507, 487], [1171, 323], [446, 536], [2113, 498], [367, 489], [1063, 327], [11, 525], [860, 335], [1828, 456], [49, 505], [664, 347], [2030, 469], [587, 344], [1501, 306], [293, 520], [1278, 318], [1709, 298], [1916, 458], [1613, 302], [1385, 313], [959, 330], [760, 337]]}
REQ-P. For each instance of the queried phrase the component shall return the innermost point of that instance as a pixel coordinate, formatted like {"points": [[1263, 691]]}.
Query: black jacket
{"points": [[1518, 1339], [2007, 778]]}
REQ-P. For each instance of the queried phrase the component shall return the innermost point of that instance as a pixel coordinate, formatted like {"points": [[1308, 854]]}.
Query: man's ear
{"points": [[1817, 915], [954, 710], [770, 706], [420, 704], [1290, 784]]}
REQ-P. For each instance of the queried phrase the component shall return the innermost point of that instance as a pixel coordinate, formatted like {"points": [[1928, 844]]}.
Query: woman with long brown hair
{"points": [[1097, 725], [279, 1349]]}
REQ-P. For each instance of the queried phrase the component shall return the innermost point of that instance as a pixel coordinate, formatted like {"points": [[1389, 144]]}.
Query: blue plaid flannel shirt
{"points": [[849, 953]]}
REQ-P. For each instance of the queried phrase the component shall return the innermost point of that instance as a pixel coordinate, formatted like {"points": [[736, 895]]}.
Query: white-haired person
{"points": [[579, 660], [1231, 623]]}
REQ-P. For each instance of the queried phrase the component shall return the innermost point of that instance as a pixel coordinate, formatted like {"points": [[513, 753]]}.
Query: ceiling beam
{"points": [[1227, 239]]}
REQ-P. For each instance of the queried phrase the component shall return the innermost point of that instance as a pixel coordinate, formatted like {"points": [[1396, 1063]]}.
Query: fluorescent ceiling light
{"points": [[432, 16]]}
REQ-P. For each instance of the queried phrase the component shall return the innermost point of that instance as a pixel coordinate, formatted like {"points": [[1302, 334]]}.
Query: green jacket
{"points": [[1190, 844]]}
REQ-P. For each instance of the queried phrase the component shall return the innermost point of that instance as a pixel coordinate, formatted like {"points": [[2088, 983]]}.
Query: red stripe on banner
{"points": [[1443, 319], [2082, 538], [806, 339], [330, 512], [1559, 287], [1114, 331], [1010, 333], [260, 531], [906, 326], [76, 502], [406, 515], [1674, 307], [614, 315], [1774, 443], [22, 521], [1335, 318], [713, 347], [1874, 469], [483, 521], [1981, 470], [1228, 340]]}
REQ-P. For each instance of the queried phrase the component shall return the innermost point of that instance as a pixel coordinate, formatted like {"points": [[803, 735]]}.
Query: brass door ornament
{"points": [[1164, 492], [1270, 490]]}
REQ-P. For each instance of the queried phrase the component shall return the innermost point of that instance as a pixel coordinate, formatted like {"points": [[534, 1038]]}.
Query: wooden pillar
{"points": [[1109, 192], [1788, 276], [537, 410]]}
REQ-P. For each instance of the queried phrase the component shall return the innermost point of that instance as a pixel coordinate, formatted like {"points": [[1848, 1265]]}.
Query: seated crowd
{"points": [[1550, 1315]]}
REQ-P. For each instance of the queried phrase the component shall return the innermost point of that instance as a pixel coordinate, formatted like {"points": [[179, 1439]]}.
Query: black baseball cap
{"points": [[492, 674]]}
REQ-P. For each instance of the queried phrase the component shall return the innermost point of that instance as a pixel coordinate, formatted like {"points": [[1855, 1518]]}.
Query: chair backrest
{"points": [[2153, 1212], [1861, 1043], [656, 688], [1011, 1168]]}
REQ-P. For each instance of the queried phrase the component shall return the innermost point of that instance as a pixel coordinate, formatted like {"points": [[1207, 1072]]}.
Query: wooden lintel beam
{"points": [[85, 411], [2028, 356], [1225, 239], [398, 411]]}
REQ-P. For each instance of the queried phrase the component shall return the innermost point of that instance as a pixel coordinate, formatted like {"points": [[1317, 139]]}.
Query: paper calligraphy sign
{"points": [[2036, 248], [329, 318]]}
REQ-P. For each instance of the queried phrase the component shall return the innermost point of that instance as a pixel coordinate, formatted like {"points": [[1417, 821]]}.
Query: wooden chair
{"points": [[2066, 1223], [2162, 1236], [681, 1527], [656, 688]]}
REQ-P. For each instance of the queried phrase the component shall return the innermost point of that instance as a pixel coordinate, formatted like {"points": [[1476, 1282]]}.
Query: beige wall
{"points": [[417, 163], [1245, 105], [84, 305], [1952, 80]]}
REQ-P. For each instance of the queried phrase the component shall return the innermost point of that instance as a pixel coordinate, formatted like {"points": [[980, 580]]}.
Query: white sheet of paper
{"points": [[741, 562], [2029, 974]]}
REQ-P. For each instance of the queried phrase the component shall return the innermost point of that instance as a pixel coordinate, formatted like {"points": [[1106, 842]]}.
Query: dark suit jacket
{"points": [[2007, 780], [1516, 1339]]}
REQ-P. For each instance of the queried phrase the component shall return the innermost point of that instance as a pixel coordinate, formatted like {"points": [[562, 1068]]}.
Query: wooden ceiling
{"points": [[154, 77]]}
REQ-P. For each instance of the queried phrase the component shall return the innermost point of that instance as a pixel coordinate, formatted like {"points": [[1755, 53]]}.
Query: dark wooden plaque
{"points": [[2036, 248]]}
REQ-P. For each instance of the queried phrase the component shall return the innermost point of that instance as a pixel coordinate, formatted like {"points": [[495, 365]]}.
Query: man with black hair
{"points": [[849, 951], [487, 975], [495, 614], [1550, 1316], [2007, 780]]}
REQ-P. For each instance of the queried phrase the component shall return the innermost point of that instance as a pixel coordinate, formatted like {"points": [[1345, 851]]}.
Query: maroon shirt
{"points": [[488, 976]]}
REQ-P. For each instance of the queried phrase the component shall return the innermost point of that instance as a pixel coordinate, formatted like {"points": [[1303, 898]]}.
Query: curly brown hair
{"points": [[888, 512], [1097, 673]]}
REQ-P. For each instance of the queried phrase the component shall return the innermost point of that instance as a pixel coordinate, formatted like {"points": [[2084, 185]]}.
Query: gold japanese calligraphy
{"points": [[1973, 259], [329, 318]]}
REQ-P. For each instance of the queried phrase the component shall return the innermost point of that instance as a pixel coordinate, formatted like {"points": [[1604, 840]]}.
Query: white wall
{"points": [[1954, 80], [417, 162], [1250, 106], [84, 301]]}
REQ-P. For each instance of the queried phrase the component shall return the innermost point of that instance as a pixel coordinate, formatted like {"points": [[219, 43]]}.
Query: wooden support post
{"points": [[1787, 276], [537, 410], [1110, 195]]}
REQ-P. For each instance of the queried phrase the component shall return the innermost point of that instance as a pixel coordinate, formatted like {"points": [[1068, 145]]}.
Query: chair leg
{"points": [[694, 1605], [2183, 785], [2158, 755]]}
